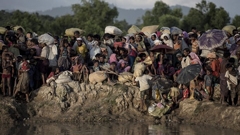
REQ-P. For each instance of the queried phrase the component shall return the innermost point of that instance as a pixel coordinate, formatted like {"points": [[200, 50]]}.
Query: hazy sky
{"points": [[232, 6]]}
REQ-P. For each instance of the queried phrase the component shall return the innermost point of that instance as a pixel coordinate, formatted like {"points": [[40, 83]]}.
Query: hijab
{"points": [[195, 58], [113, 58]]}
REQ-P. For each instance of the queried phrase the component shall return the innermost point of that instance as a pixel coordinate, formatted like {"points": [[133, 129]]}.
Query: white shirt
{"points": [[185, 62], [233, 79], [143, 82]]}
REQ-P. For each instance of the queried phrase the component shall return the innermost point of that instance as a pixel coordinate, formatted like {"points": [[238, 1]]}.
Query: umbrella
{"points": [[189, 73], [229, 28], [212, 39], [175, 30], [165, 30], [159, 48]]}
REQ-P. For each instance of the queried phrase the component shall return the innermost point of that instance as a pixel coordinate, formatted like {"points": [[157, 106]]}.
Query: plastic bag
{"points": [[46, 39], [2, 30], [134, 29], [113, 30], [150, 29], [139, 69], [95, 50]]}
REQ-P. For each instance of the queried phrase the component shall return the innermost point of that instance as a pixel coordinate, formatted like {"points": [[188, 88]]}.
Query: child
{"points": [[144, 86], [51, 79], [8, 71], [232, 80], [174, 92], [95, 66], [208, 81], [23, 83], [76, 70], [113, 66], [185, 92], [63, 61]]}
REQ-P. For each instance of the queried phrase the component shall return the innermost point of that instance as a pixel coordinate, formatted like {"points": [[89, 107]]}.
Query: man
{"points": [[81, 48], [235, 47], [186, 60], [223, 80], [76, 35], [194, 42], [194, 29], [89, 42]]}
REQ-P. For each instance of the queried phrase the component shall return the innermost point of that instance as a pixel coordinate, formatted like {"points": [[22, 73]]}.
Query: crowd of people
{"points": [[29, 62]]}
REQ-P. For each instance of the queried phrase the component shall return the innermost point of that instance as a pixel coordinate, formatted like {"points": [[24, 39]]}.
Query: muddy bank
{"points": [[76, 103], [102, 103], [207, 113]]}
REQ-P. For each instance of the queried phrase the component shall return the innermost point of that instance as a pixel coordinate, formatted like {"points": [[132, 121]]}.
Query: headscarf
{"points": [[185, 34], [126, 46], [195, 58], [167, 42], [113, 58], [151, 41]]}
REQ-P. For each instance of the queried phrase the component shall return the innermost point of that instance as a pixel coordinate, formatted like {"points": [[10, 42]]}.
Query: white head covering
{"points": [[157, 42]]}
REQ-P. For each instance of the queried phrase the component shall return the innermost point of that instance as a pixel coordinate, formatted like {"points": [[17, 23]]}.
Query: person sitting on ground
{"points": [[8, 71], [123, 65], [95, 66], [143, 82], [113, 68], [232, 80], [174, 92], [51, 79], [185, 92]]}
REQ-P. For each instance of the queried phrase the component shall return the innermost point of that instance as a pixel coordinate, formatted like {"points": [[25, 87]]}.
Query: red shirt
{"points": [[50, 75], [185, 94]]}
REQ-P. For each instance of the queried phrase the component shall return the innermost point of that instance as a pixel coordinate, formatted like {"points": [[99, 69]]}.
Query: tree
{"points": [[162, 12], [177, 12], [221, 18], [94, 15], [206, 16], [236, 21], [168, 21], [194, 18]]}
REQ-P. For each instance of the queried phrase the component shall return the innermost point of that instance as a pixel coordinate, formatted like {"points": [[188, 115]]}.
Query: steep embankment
{"points": [[76, 103], [100, 103]]}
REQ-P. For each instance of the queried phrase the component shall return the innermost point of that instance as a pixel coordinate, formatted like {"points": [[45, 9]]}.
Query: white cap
{"points": [[79, 39]]}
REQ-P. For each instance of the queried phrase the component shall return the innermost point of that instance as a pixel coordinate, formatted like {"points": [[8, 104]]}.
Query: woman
{"points": [[194, 58], [141, 46], [132, 51], [167, 40], [113, 58], [63, 61], [125, 41], [153, 38], [24, 82]]}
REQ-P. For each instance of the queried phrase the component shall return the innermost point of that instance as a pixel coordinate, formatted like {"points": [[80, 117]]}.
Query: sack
{"points": [[65, 77], [15, 28], [148, 61], [113, 30], [98, 76], [46, 39], [139, 69], [70, 31], [2, 30], [150, 29], [125, 77], [95, 50], [134, 29]]}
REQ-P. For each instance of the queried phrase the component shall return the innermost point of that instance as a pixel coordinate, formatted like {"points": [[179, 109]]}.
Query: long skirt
{"points": [[223, 85], [23, 83], [64, 63]]}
